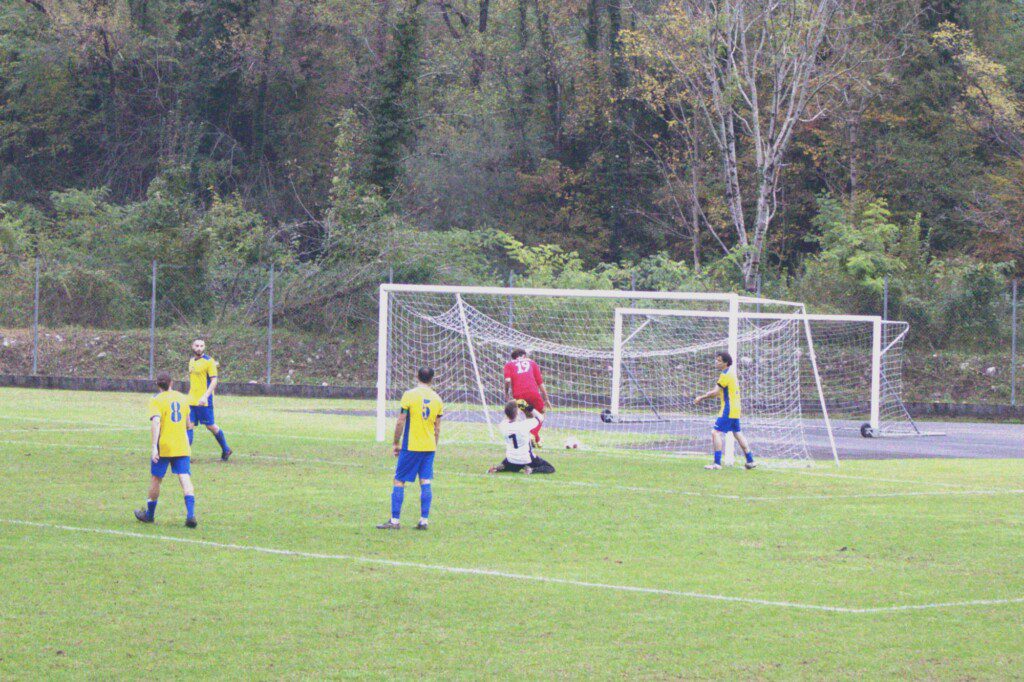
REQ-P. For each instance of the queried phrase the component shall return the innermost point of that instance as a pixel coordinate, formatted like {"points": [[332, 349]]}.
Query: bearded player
{"points": [[523, 381], [202, 382]]}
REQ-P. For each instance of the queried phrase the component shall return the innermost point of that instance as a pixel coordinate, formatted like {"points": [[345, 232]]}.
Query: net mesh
{"points": [[468, 338], [843, 349], [667, 360]]}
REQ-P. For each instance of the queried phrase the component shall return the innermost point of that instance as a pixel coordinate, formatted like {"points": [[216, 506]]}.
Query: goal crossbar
{"points": [[584, 293]]}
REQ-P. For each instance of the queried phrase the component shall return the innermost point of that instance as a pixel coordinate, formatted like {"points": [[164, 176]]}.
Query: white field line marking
{"points": [[868, 478], [667, 458], [41, 419], [599, 486], [652, 457], [685, 455], [664, 491], [459, 570], [605, 486], [66, 446], [28, 429]]}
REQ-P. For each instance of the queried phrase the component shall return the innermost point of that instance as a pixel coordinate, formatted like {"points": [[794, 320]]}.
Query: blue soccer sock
{"points": [[150, 509], [397, 497], [191, 434], [222, 440], [718, 456], [426, 496], [190, 506], [750, 457]]}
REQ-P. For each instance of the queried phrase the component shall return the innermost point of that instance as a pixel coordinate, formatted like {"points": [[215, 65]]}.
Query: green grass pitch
{"points": [[615, 567]]}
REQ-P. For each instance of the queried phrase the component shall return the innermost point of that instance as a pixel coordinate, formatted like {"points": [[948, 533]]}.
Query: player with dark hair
{"points": [[168, 426], [416, 435], [518, 435], [727, 389], [523, 381], [202, 382]]}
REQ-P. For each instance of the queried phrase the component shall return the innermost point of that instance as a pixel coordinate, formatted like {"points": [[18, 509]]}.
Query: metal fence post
{"points": [[270, 323], [1013, 346], [759, 292], [391, 274], [35, 322], [511, 300], [152, 323], [885, 297]]}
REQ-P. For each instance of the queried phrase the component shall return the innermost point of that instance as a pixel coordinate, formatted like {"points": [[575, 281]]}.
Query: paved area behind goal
{"points": [[954, 440], [958, 440]]}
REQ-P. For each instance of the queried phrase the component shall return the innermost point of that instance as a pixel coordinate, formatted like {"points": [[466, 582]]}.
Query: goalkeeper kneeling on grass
{"points": [[519, 441]]}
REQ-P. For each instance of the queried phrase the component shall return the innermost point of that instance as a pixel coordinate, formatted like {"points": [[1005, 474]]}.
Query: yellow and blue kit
{"points": [[729, 414], [173, 444], [422, 408], [201, 371]]}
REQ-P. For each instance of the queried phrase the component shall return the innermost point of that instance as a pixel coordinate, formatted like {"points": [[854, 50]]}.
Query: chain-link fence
{"points": [[305, 323], [263, 324], [963, 342]]}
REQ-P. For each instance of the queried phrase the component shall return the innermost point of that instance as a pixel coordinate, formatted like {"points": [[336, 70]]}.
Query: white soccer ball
{"points": [[571, 443]]}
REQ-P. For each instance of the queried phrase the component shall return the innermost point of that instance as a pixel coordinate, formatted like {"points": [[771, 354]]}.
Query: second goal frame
{"points": [[734, 315]]}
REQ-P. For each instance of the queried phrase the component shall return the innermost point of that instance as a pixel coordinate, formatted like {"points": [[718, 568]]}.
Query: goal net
{"points": [[860, 360], [662, 361], [467, 334]]}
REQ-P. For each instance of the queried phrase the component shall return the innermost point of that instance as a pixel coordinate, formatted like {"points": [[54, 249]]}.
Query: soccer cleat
{"points": [[712, 466], [141, 515], [527, 470], [191, 522], [226, 454], [750, 465], [419, 526], [389, 525]]}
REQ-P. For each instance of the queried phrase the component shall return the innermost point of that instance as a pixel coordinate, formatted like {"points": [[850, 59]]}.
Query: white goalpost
{"points": [[594, 345], [864, 389]]}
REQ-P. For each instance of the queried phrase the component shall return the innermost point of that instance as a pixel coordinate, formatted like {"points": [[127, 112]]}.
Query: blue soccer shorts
{"points": [[201, 415], [413, 464], [179, 465], [727, 425]]}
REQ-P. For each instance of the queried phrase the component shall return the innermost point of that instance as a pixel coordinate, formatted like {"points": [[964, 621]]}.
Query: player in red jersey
{"points": [[523, 381]]}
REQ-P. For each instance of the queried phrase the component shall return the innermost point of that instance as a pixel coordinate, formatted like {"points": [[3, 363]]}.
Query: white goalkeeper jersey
{"points": [[517, 439]]}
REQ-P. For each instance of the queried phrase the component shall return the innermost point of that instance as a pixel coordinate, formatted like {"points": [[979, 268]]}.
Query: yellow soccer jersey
{"points": [[200, 372], [172, 409], [422, 408], [730, 394]]}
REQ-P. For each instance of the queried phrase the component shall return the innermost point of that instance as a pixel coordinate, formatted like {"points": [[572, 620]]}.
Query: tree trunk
{"points": [[551, 75], [619, 163], [767, 182], [592, 32], [852, 133], [731, 173], [694, 209], [485, 6]]}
